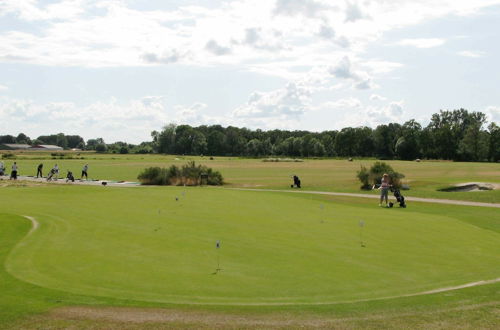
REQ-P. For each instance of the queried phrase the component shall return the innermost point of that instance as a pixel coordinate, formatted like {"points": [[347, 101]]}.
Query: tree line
{"points": [[452, 135], [77, 142]]}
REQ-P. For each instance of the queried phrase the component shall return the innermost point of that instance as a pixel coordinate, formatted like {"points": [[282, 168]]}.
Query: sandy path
{"points": [[77, 182], [411, 199]]}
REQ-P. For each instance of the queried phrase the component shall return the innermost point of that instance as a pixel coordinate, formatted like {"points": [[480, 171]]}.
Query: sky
{"points": [[119, 69]]}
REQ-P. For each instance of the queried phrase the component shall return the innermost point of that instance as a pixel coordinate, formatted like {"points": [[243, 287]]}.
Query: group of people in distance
{"points": [[53, 173]]}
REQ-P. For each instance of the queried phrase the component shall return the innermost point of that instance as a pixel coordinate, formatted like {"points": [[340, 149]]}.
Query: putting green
{"points": [[143, 244]]}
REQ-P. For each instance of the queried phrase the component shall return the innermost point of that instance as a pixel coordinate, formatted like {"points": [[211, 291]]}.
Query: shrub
{"points": [[8, 156], [374, 175], [154, 176], [189, 174], [364, 176]]}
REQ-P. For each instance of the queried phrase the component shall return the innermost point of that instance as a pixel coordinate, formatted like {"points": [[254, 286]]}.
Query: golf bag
{"points": [[70, 177], [296, 182], [400, 198]]}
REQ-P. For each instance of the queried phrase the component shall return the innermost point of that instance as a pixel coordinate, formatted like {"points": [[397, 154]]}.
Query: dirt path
{"points": [[411, 199], [77, 182]]}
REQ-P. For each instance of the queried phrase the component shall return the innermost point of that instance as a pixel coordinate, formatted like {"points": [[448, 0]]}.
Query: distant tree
{"points": [[474, 145], [184, 139], [75, 141], [318, 149], [7, 139], [408, 144], [385, 138], [166, 139], [101, 147], [494, 143], [234, 142], [266, 147], [23, 139], [61, 141], [364, 143], [328, 140], [345, 142], [254, 147], [447, 129], [199, 143], [215, 143], [93, 143]]}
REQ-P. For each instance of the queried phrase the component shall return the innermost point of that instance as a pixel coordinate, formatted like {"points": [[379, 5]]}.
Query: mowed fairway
{"points": [[142, 244]]}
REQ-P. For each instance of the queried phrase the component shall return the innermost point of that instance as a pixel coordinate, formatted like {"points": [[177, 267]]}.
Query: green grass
{"points": [[283, 257], [424, 178], [100, 246]]}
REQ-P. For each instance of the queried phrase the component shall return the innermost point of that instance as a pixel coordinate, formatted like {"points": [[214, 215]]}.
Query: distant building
{"points": [[14, 146], [45, 147]]}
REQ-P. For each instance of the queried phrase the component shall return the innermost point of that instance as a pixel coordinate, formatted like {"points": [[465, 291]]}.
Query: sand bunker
{"points": [[472, 186]]}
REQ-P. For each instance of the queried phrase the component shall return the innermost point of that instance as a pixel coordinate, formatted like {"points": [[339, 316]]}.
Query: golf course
{"points": [[134, 257]]}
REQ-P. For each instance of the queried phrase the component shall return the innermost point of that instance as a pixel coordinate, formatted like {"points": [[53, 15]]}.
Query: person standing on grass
{"points": [[384, 189], [2, 169], [39, 170], [84, 172], [13, 174]]}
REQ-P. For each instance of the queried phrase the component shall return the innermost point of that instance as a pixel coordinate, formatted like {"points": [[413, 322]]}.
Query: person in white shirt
{"points": [[13, 174], [384, 188], [84, 172]]}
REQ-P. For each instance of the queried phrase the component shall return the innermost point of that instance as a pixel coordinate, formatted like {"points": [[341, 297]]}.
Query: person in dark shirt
{"points": [[39, 170]]}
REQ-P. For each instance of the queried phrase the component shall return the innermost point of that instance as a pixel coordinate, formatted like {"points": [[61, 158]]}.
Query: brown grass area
{"points": [[21, 183], [476, 316]]}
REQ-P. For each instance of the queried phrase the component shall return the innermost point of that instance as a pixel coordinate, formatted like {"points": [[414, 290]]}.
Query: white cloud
{"points": [[309, 8], [290, 101], [133, 120], [353, 12], [493, 114], [422, 42], [471, 53], [3, 88], [170, 56], [213, 47], [344, 70], [376, 97], [373, 116], [341, 104]]}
